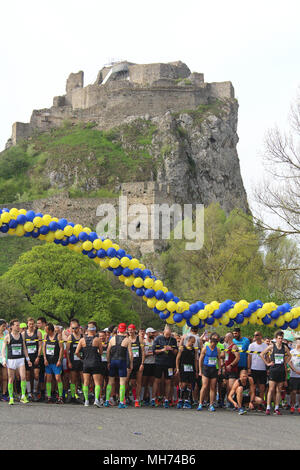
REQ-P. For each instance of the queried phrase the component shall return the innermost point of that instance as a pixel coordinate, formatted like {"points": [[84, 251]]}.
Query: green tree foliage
{"points": [[52, 281]]}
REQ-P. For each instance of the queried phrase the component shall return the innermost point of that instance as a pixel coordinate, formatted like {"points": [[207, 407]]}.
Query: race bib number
{"points": [[226, 356], [31, 349], [16, 349], [104, 356], [50, 349], [279, 358], [76, 358], [212, 361], [188, 368], [245, 393], [240, 348], [170, 372], [135, 352]]}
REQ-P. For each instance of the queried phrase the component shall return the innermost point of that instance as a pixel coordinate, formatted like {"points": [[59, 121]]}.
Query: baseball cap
{"points": [[150, 330], [122, 327], [132, 326], [23, 325], [106, 329]]}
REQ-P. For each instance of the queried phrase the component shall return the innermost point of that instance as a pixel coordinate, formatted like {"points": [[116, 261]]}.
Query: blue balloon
{"points": [[83, 236], [27, 234], [230, 324], [35, 233], [147, 272], [159, 294], [13, 223], [62, 223], [149, 293], [53, 226], [127, 272], [176, 299], [92, 254], [168, 296], [294, 323], [209, 320], [164, 316], [66, 242], [266, 320], [101, 253], [187, 314], [178, 317], [30, 215], [200, 305], [4, 228], [239, 318], [137, 272], [57, 242], [247, 313], [194, 308], [38, 214], [73, 239], [118, 271], [284, 326], [92, 236], [121, 253], [111, 252], [140, 292], [44, 229], [217, 314], [155, 310], [275, 314], [21, 219]]}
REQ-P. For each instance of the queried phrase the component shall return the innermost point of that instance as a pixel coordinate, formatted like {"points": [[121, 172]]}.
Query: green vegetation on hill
{"points": [[81, 158]]}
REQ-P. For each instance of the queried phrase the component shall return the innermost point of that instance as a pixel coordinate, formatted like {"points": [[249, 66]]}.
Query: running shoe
{"points": [[292, 410], [101, 402], [30, 397], [153, 403], [136, 404], [86, 403], [35, 397], [107, 404], [298, 411], [268, 412], [59, 401], [97, 403], [199, 407], [122, 405], [212, 408], [4, 398], [242, 411], [166, 404], [11, 401], [278, 413], [180, 404], [187, 406], [24, 399]]}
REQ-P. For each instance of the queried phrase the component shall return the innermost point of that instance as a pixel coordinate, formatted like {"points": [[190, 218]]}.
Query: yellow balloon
{"points": [[138, 282], [280, 321], [148, 283], [50, 237], [253, 319], [28, 226], [23, 211], [20, 231], [97, 244], [133, 264], [77, 229], [114, 262], [14, 213], [161, 305], [151, 303], [115, 246], [86, 230], [46, 219], [232, 313], [288, 316], [170, 320], [104, 263], [142, 266], [194, 320], [122, 278], [164, 289], [11, 231], [68, 230], [5, 217], [182, 323], [59, 234], [38, 222], [125, 262], [158, 285], [129, 281], [87, 245], [171, 306], [78, 249], [203, 314]]}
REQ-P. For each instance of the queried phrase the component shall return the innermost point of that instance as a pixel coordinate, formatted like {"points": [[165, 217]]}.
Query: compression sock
{"points": [[60, 389], [23, 387], [142, 393], [97, 392], [73, 390], [48, 389], [134, 393], [10, 388], [85, 390], [150, 393], [181, 392], [108, 392], [28, 387], [122, 393], [35, 386]]}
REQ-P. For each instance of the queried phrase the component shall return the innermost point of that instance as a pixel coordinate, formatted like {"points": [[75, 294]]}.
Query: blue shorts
{"points": [[118, 368], [53, 369]]}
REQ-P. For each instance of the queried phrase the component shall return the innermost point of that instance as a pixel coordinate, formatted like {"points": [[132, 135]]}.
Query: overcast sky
{"points": [[255, 45]]}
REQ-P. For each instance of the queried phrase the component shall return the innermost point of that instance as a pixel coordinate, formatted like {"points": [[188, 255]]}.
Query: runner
{"points": [[134, 376], [186, 367], [243, 393], [91, 345], [256, 366], [3, 370], [294, 384], [149, 367], [165, 350], [243, 344], [16, 352], [33, 341], [279, 355], [53, 355], [208, 362], [117, 363], [232, 357], [104, 374], [41, 325], [74, 362]]}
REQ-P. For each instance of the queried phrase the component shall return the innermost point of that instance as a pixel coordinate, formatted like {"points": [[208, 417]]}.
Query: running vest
{"points": [[230, 357], [32, 345], [52, 349], [91, 356], [136, 352], [118, 352], [104, 353], [277, 356], [15, 349], [73, 347], [187, 360], [246, 387], [211, 357]]}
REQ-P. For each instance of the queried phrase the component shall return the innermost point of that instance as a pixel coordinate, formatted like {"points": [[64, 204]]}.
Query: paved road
{"points": [[69, 427]]}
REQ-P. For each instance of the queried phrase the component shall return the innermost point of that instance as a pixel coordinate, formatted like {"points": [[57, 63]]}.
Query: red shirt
{"points": [[230, 357]]}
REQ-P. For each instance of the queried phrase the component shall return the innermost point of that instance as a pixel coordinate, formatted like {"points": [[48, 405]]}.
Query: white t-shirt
{"points": [[296, 362], [256, 361]]}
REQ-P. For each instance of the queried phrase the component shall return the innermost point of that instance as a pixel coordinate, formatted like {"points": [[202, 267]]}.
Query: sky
{"points": [[255, 45]]}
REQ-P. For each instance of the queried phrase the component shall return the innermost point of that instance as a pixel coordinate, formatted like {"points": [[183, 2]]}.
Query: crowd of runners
{"points": [[122, 366]]}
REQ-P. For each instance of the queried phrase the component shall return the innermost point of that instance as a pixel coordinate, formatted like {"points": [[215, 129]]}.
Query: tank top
{"points": [[15, 349], [52, 349], [277, 356], [148, 348], [246, 387], [104, 353], [91, 356], [136, 351], [187, 360], [32, 345], [73, 347], [211, 357], [230, 357], [117, 351]]}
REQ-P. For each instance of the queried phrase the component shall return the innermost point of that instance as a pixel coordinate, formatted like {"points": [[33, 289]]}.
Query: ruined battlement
{"points": [[123, 90]]}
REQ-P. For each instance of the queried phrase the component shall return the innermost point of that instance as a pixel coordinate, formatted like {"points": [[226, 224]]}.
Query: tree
{"points": [[60, 284], [280, 194]]}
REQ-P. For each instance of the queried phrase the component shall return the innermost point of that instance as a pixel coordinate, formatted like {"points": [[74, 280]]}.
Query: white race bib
{"points": [[188, 368]]}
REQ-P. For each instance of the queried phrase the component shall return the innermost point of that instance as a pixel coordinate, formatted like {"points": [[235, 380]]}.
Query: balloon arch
{"points": [[133, 274]]}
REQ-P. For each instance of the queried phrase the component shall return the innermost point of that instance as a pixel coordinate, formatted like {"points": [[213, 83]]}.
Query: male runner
{"points": [[41, 325], [16, 352], [256, 366], [3, 370], [243, 390], [91, 346], [74, 362], [117, 362], [149, 366], [209, 369], [279, 355], [33, 341], [243, 344], [295, 375], [186, 367], [53, 350], [231, 357], [104, 375], [134, 376]]}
